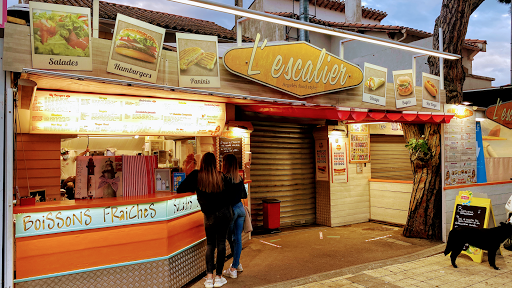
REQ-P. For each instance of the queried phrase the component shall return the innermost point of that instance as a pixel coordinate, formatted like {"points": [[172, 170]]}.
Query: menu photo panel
{"points": [[136, 49], [430, 91], [403, 82], [374, 90], [198, 60], [60, 37]]}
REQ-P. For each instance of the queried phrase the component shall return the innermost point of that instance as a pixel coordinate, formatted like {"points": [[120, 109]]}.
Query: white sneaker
{"points": [[219, 281], [229, 273], [239, 268], [208, 283]]}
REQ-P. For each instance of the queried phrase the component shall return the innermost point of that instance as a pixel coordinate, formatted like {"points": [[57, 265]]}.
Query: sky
{"points": [[491, 22]]}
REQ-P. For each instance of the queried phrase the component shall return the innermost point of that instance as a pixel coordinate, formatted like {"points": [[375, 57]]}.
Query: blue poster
{"points": [[481, 176], [177, 178]]}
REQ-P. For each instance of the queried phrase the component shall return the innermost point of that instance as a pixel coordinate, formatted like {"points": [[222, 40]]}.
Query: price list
{"points": [[460, 147], [359, 143], [74, 113]]}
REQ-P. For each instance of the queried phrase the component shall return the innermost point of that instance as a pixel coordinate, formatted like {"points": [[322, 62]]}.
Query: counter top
{"points": [[477, 184], [101, 202]]}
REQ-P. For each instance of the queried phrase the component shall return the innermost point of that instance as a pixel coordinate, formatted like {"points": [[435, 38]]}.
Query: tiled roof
{"points": [[165, 20], [339, 6], [356, 27]]}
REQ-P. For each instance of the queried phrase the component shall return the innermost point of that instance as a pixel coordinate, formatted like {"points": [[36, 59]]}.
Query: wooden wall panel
{"points": [[17, 56], [389, 202], [38, 164]]}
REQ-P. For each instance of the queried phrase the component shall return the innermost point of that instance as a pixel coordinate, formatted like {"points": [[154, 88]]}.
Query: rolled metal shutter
{"points": [[282, 168], [390, 158]]}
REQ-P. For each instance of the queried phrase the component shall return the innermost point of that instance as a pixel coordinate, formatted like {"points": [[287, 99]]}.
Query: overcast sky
{"points": [[490, 22]]}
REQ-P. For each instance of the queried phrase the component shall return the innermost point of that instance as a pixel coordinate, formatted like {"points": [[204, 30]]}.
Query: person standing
{"points": [[236, 189], [208, 183]]}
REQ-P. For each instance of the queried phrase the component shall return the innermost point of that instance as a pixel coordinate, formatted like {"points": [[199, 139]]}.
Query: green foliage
{"points": [[416, 145]]}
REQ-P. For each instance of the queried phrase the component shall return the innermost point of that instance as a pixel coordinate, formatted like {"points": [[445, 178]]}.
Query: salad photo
{"points": [[60, 33]]}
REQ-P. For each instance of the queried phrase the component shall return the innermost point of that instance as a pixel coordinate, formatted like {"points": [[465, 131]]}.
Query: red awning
{"points": [[339, 113]]}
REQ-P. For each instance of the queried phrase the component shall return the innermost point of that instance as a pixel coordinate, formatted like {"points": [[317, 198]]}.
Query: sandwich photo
{"points": [[404, 85], [190, 56], [431, 88], [322, 169], [136, 44], [208, 60], [60, 33], [374, 83]]}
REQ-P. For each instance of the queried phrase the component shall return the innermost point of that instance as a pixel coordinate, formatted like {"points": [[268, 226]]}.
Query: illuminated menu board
{"points": [[54, 112]]}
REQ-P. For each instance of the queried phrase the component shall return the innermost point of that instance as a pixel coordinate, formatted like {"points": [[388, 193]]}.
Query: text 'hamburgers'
{"points": [[137, 44]]}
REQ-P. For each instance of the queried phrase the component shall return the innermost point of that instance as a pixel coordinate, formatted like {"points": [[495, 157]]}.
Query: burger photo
{"points": [[136, 44], [404, 85]]}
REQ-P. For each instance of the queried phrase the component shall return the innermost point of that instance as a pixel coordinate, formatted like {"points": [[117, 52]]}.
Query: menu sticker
{"points": [[374, 90], [339, 169], [403, 82], [198, 60], [321, 160], [60, 37], [136, 49], [430, 91], [359, 143]]}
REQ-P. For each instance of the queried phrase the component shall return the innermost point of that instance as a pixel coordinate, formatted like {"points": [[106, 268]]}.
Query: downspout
{"points": [[304, 16]]}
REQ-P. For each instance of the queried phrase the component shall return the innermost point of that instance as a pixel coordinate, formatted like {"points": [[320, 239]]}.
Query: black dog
{"points": [[485, 239]]}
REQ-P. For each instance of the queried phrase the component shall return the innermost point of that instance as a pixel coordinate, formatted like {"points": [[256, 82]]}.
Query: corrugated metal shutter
{"points": [[390, 158], [282, 168]]}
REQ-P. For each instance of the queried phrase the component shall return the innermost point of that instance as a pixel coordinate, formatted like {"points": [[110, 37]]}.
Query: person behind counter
{"points": [[236, 188], [208, 183]]}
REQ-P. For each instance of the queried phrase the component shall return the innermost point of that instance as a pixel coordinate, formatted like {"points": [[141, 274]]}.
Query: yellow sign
{"points": [[472, 212], [298, 68]]}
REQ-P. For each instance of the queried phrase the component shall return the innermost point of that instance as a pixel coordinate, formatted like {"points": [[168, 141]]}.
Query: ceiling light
{"points": [[312, 27]]}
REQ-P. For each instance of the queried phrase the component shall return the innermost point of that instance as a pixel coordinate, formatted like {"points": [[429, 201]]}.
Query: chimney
{"points": [[238, 3], [353, 11]]}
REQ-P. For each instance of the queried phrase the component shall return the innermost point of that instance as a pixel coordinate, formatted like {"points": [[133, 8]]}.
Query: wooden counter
{"points": [[172, 223]]}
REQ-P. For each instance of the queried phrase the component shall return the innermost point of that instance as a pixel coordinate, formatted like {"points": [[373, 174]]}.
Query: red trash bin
{"points": [[271, 214]]}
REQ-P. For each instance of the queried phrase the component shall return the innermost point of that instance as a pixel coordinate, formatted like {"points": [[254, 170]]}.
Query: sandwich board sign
{"points": [[136, 49], [472, 212]]}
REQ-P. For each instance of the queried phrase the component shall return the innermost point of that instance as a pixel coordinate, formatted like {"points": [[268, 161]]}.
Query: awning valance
{"points": [[341, 113]]}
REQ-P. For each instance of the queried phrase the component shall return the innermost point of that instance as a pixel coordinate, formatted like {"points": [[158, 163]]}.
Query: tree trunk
{"points": [[454, 19], [425, 207]]}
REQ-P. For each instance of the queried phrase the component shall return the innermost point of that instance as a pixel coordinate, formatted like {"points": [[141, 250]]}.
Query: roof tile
{"points": [[165, 20]]}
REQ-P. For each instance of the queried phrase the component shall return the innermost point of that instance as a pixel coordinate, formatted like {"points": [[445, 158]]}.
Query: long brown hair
{"points": [[209, 179], [230, 167]]}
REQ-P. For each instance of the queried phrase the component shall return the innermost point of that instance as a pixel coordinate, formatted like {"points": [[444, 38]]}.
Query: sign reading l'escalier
{"points": [[501, 113], [298, 68]]}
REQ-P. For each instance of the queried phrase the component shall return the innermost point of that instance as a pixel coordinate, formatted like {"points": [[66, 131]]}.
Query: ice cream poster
{"points": [[339, 171], [403, 82], [98, 177], [61, 37], [374, 90], [136, 49], [321, 160], [430, 91], [198, 60]]}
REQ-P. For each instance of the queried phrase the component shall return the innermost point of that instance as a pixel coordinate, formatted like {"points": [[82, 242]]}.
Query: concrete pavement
{"points": [[430, 271]]}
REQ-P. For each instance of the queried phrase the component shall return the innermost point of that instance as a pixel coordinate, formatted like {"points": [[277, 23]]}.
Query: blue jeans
{"points": [[235, 233]]}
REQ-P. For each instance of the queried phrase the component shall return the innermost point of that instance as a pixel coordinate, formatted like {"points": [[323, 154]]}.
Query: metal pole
{"points": [[304, 17], [441, 68], [95, 18], [238, 33]]}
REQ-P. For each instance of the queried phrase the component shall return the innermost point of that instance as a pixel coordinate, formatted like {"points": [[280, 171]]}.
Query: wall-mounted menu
{"points": [[54, 112], [460, 147], [231, 145], [359, 143]]}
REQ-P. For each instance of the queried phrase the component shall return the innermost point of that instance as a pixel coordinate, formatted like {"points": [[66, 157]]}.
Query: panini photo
{"points": [[197, 60]]}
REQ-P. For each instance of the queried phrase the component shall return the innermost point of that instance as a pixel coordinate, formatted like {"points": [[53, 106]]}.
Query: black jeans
{"points": [[216, 227]]}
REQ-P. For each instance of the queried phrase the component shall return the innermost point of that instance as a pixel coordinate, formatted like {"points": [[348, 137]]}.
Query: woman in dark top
{"points": [[208, 183], [236, 188]]}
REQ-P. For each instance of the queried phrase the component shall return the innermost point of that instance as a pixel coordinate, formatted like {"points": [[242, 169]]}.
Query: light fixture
{"points": [[136, 136], [480, 119], [312, 27], [466, 103]]}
